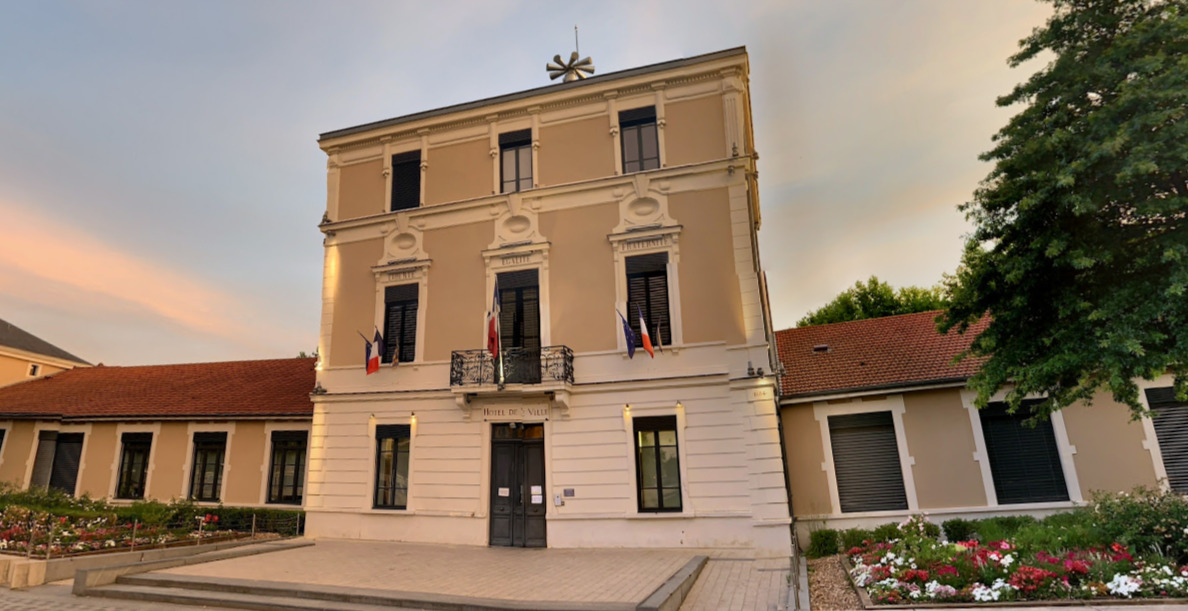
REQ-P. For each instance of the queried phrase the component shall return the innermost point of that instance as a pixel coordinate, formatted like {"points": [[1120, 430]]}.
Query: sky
{"points": [[161, 184]]}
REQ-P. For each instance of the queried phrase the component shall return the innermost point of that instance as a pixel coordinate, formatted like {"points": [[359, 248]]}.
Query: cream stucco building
{"points": [[24, 356], [878, 424], [629, 193]]}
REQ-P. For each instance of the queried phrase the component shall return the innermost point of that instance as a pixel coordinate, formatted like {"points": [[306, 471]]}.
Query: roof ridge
{"points": [[863, 320]]}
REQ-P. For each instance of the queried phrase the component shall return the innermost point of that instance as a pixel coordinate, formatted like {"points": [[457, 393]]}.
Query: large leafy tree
{"points": [[1080, 247], [874, 299]]}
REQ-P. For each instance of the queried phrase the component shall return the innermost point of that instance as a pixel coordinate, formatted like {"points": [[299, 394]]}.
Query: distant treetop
{"points": [[875, 299]]}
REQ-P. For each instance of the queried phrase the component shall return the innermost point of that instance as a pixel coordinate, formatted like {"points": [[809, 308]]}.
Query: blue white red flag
{"points": [[371, 352], [643, 331], [629, 335], [493, 323]]}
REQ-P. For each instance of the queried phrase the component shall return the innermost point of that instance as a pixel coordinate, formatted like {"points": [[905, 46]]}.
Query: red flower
{"points": [[915, 574], [947, 569]]}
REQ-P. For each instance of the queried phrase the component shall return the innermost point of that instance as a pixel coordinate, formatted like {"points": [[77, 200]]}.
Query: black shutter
{"points": [[66, 459], [295, 436], [1171, 429], [517, 138], [400, 322], [137, 438], [215, 438], [406, 180], [647, 293], [637, 116], [392, 431], [519, 309], [866, 462], [1024, 461]]}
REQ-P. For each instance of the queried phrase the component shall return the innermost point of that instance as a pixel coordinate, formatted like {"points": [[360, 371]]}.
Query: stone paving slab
{"points": [[577, 575], [741, 584]]}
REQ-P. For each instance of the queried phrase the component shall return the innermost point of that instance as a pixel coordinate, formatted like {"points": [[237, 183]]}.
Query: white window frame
{"points": [[202, 427], [121, 428], [1065, 449], [630, 412], [615, 106], [368, 504], [822, 410], [266, 467], [1150, 438], [646, 242]]}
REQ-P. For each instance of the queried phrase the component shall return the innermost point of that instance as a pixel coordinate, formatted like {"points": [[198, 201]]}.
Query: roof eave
{"points": [[820, 395], [528, 93]]}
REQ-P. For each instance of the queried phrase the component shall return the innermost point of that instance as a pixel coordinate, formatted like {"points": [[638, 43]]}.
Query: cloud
{"points": [[59, 266]]}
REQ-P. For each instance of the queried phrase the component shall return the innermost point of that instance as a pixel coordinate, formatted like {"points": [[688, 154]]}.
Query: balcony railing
{"points": [[517, 366]]}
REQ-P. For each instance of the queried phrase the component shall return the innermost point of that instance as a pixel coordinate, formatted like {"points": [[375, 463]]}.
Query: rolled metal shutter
{"points": [[66, 459], [866, 462], [1171, 429], [1024, 461]]}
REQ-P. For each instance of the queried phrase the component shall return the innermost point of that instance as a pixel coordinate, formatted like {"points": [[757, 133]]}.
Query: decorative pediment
{"points": [[404, 253], [515, 223], [643, 205]]}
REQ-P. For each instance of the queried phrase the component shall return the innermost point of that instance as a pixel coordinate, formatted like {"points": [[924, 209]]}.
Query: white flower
{"points": [[983, 594], [1007, 560], [1124, 585]]}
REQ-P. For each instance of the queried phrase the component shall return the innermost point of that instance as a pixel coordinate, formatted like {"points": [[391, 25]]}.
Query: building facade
{"points": [[878, 424], [233, 433], [24, 356], [571, 211]]}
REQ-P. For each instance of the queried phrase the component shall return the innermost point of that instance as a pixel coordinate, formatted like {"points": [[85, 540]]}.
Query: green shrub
{"points": [[886, 532], [854, 537], [958, 529], [823, 543], [1148, 521], [999, 528]]}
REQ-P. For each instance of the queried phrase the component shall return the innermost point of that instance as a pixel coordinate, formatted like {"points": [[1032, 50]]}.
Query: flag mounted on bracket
{"points": [[643, 331], [629, 335], [372, 350]]}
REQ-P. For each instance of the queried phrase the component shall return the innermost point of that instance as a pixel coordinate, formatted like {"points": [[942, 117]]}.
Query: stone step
{"points": [[318, 596], [232, 600]]}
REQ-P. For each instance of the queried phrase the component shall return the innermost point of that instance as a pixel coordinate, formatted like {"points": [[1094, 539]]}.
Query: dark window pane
{"points": [[391, 466], [658, 478]]}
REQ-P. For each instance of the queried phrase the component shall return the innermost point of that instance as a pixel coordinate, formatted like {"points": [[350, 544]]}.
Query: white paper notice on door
{"points": [[536, 490], [505, 492], [537, 499]]}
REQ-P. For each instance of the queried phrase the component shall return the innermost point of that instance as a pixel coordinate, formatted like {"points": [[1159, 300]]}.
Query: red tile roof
{"points": [[890, 352], [278, 387]]}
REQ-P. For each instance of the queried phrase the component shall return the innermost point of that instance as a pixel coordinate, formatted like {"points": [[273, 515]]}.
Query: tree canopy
{"points": [[875, 299], [1080, 244]]}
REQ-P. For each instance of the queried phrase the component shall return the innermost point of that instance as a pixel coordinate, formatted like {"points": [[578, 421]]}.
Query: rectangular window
{"points": [[866, 462], [134, 465], [657, 461], [519, 326], [1171, 429], [515, 160], [647, 293], [1024, 460], [406, 180], [641, 144], [400, 322], [68, 451], [206, 473], [391, 466], [34, 370], [286, 478], [2, 432]]}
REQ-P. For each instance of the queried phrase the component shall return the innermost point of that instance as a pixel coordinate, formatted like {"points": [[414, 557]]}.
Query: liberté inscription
{"points": [[510, 412]]}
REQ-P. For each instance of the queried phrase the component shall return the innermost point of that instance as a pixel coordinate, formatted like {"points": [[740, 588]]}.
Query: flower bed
{"points": [[28, 532], [918, 567]]}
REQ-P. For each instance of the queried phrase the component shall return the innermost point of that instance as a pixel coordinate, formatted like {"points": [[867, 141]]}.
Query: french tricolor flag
{"points": [[643, 331], [372, 351]]}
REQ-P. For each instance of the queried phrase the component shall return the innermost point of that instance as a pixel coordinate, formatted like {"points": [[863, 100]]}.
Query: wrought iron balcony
{"points": [[515, 366]]}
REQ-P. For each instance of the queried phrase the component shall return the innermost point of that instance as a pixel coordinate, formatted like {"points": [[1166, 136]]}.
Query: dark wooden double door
{"points": [[517, 485]]}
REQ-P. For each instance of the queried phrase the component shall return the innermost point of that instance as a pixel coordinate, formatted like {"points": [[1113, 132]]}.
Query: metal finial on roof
{"points": [[572, 70]]}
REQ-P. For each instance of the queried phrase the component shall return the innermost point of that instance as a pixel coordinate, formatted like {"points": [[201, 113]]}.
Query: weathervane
{"points": [[573, 70]]}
